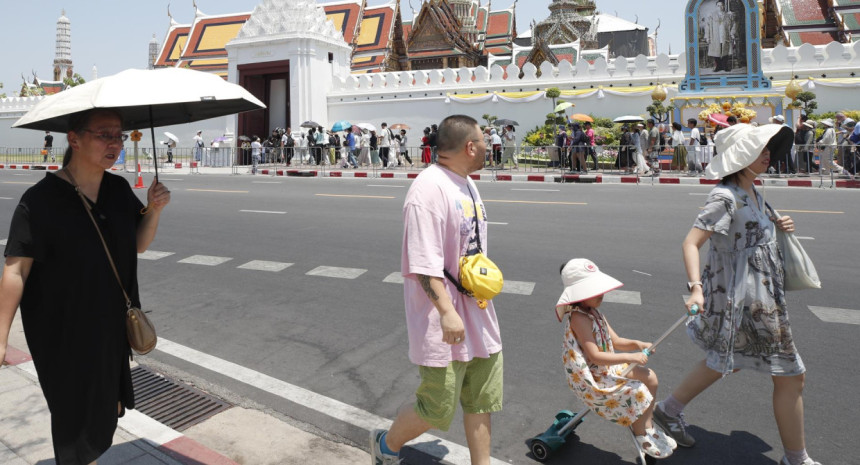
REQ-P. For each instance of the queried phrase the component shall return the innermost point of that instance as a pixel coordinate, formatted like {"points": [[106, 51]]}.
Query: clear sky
{"points": [[114, 34]]}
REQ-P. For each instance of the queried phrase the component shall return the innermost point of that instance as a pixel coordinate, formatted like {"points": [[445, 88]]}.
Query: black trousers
{"points": [[383, 155]]}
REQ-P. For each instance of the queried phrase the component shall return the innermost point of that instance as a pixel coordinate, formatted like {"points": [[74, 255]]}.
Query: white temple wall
{"points": [[419, 98]]}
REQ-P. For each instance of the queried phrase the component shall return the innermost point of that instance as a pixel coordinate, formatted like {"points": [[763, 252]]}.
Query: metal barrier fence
{"points": [[811, 161]]}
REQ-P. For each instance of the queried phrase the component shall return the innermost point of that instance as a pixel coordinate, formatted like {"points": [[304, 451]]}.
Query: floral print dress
{"points": [[744, 323], [601, 387]]}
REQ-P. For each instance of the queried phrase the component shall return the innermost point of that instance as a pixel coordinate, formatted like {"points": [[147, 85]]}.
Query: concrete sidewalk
{"points": [[229, 438]]}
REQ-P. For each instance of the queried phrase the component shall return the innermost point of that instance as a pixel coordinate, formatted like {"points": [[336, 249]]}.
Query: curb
{"points": [[510, 177], [165, 439], [564, 178]]}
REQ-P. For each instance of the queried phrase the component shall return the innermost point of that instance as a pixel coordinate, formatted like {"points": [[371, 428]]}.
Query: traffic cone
{"points": [[139, 184]]}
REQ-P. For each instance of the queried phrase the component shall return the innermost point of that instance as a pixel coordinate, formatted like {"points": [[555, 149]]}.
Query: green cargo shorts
{"points": [[477, 383]]}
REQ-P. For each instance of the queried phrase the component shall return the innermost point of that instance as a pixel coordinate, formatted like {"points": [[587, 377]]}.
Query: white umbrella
{"points": [[144, 98], [170, 136], [366, 126], [628, 119]]}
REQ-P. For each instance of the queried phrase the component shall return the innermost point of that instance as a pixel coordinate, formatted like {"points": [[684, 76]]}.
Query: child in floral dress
{"points": [[594, 368]]}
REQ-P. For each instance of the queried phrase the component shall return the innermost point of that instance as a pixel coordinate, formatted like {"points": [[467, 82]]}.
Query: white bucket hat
{"points": [[737, 147], [826, 122], [778, 119], [810, 124], [583, 280]]}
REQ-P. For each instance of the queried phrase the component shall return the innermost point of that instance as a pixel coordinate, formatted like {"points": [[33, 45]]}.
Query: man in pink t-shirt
{"points": [[456, 344]]}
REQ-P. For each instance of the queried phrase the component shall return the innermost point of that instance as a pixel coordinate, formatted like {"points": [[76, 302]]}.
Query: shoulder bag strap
{"points": [[88, 209], [448, 275], [475, 206]]}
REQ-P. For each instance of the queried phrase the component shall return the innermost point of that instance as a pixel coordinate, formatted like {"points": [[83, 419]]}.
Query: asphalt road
{"points": [[346, 339]]}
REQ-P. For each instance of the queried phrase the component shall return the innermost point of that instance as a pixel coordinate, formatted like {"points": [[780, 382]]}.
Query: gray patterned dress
{"points": [[744, 323]]}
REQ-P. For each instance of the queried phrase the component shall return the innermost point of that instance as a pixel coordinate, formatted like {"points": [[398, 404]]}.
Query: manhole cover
{"points": [[174, 404]]}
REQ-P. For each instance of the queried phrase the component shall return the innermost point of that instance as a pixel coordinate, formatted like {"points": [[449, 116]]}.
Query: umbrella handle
{"points": [[154, 153]]}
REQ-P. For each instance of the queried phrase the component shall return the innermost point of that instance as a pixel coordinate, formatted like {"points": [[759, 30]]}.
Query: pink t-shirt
{"points": [[439, 228]]}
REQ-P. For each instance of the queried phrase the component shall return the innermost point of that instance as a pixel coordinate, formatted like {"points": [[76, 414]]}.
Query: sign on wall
{"points": [[723, 46]]}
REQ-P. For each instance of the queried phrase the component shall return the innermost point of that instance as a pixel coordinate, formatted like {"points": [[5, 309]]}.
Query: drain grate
{"points": [[169, 402]]}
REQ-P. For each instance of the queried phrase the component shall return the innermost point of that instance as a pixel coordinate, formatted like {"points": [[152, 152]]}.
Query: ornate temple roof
{"points": [[346, 16], [375, 39], [377, 34], [205, 43], [812, 21]]}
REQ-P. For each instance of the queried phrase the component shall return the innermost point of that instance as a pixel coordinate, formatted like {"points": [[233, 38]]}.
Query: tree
{"points": [[659, 112], [2, 95], [490, 119], [806, 102], [73, 81]]}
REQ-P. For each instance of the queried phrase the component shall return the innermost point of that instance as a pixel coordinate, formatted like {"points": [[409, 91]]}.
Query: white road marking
{"points": [[805, 238], [696, 193], [537, 190], [265, 182], [451, 452], [382, 185], [153, 255], [500, 224], [641, 272], [263, 211], [394, 278], [206, 260], [336, 272], [20, 174], [3, 242], [172, 180], [145, 427], [623, 297], [836, 315], [7, 198], [518, 287], [262, 265]]}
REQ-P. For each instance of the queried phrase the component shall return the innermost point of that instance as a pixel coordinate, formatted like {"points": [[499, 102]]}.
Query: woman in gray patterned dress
{"points": [[743, 323]]}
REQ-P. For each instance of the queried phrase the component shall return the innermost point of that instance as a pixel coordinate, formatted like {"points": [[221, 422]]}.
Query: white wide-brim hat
{"points": [[583, 280], [826, 122], [810, 124], [737, 147]]}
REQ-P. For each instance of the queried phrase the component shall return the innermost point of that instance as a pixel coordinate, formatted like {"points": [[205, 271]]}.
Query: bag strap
{"points": [[475, 206], [88, 209], [448, 275]]}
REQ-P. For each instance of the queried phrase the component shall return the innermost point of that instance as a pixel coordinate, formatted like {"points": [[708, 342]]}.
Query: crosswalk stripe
{"points": [[3, 242], [623, 297], [206, 260], [336, 272], [262, 265], [836, 315], [518, 287], [153, 255], [394, 278]]}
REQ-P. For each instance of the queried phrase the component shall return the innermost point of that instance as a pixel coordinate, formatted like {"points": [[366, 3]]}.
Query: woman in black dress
{"points": [[72, 308]]}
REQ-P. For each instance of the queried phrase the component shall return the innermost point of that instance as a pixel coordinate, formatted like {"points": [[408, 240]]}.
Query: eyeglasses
{"points": [[107, 137]]}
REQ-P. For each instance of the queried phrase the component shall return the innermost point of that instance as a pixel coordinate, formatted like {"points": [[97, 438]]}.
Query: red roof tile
{"points": [[500, 24], [171, 51], [377, 26], [346, 15], [209, 35]]}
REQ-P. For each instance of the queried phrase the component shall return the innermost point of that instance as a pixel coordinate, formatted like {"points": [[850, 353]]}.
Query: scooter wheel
{"points": [[540, 450]]}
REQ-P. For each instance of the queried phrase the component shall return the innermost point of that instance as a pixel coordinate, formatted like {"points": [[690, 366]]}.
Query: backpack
{"points": [[703, 139]]}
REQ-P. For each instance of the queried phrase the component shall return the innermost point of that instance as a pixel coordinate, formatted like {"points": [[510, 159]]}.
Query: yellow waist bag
{"points": [[479, 276]]}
